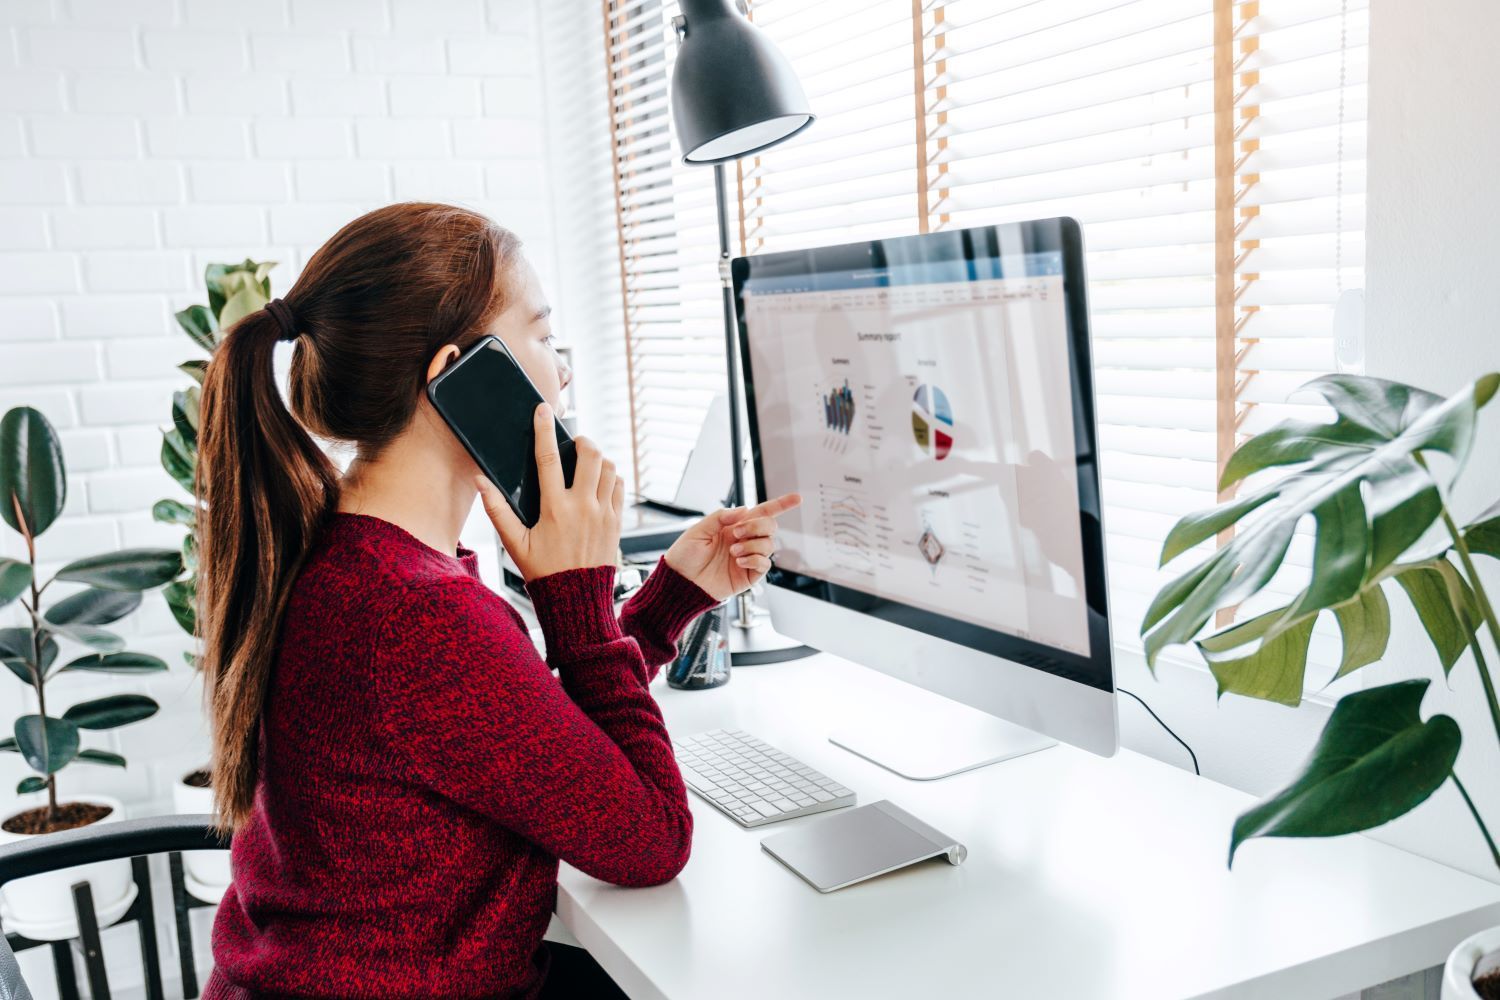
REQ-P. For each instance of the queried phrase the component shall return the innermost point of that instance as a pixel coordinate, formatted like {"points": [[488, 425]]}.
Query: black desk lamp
{"points": [[733, 94]]}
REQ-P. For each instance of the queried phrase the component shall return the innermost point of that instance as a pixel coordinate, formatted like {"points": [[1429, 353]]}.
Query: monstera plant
{"points": [[1376, 484], [234, 290], [33, 486]]}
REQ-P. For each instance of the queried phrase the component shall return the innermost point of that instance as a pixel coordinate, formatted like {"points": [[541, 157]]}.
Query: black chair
{"points": [[134, 839]]}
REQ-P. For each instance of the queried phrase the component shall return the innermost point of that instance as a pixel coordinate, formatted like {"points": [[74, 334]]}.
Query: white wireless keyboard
{"points": [[752, 782]]}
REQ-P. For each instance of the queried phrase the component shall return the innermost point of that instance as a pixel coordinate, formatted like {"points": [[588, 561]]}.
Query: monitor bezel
{"points": [[1060, 235]]}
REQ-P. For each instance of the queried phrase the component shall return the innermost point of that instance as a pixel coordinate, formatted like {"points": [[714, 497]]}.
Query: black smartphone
{"points": [[489, 403]]}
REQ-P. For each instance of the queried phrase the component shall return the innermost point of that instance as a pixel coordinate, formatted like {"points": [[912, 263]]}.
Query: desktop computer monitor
{"points": [[931, 399]]}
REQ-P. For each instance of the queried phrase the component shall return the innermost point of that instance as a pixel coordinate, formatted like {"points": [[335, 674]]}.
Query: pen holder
{"points": [[703, 652]]}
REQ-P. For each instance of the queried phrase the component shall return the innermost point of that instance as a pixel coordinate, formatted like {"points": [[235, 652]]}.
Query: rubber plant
{"points": [[33, 487], [1381, 516], [234, 290]]}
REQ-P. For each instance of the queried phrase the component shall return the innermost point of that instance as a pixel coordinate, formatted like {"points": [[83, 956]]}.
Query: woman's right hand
{"points": [[579, 526]]}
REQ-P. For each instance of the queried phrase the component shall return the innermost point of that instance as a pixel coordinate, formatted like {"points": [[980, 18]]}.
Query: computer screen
{"points": [[921, 395]]}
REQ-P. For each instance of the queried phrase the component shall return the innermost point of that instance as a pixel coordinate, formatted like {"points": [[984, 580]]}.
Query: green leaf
{"points": [[118, 663], [1234, 573], [9, 744], [180, 599], [241, 304], [225, 280], [127, 569], [31, 784], [17, 653], [1200, 527], [1446, 606], [102, 757], [93, 607], [15, 577], [1401, 510], [199, 324], [185, 415], [194, 370], [213, 279], [1483, 536], [178, 458], [1358, 477], [174, 512], [100, 640], [1293, 442], [47, 744], [1375, 760], [108, 713], [32, 474], [1274, 671], [1341, 552], [1365, 625], [192, 660]]}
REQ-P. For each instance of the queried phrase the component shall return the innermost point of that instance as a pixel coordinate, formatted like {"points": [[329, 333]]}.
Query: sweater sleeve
{"points": [[582, 768], [657, 613]]}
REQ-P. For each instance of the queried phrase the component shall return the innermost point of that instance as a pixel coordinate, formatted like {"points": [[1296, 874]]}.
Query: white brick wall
{"points": [[142, 139]]}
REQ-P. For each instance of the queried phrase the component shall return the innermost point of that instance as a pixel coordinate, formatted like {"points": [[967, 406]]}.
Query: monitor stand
{"points": [[939, 742]]}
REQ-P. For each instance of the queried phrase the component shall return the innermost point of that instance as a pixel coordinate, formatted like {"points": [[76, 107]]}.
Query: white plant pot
{"points": [[1473, 957], [206, 872], [41, 906]]}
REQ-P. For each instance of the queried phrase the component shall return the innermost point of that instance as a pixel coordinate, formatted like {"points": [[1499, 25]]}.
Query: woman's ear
{"points": [[446, 355]]}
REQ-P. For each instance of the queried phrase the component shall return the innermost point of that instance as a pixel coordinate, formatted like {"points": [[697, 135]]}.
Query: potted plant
{"points": [[33, 486], [1380, 514], [234, 291]]}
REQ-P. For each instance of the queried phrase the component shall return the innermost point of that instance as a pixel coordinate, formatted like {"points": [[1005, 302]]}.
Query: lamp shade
{"points": [[733, 92]]}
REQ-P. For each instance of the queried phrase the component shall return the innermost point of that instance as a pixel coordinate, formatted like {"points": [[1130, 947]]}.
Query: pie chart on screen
{"points": [[932, 421]]}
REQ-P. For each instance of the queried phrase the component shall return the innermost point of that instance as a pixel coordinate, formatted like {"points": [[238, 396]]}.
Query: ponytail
{"points": [[266, 486]]}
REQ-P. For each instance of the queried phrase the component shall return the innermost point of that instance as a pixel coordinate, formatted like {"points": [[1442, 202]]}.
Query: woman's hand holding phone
{"points": [[579, 525]]}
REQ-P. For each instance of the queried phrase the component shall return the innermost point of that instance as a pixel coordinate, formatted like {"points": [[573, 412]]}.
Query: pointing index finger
{"points": [[774, 507]]}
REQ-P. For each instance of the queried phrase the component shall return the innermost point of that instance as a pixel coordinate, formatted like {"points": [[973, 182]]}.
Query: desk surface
{"points": [[1086, 877]]}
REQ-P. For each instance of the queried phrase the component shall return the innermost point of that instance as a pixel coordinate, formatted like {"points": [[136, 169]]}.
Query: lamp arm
{"points": [[731, 339]]}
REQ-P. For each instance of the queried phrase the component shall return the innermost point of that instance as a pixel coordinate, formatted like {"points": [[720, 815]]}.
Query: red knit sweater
{"points": [[422, 771]]}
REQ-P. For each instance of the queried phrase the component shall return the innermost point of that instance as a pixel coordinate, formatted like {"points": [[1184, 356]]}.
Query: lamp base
{"points": [[752, 640]]}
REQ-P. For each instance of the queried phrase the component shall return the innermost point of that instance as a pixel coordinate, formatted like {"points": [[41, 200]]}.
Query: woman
{"points": [[401, 770]]}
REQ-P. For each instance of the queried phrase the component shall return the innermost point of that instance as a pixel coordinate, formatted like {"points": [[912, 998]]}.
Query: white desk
{"points": [[1086, 878]]}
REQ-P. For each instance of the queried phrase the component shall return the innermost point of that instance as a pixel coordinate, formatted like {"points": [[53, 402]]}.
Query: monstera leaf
{"points": [[1364, 483], [1377, 759]]}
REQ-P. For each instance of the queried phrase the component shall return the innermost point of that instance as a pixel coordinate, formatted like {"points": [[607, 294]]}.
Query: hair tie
{"points": [[284, 319]]}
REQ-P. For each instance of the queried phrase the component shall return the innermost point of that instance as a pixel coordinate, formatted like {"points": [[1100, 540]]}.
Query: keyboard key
{"points": [[763, 808]]}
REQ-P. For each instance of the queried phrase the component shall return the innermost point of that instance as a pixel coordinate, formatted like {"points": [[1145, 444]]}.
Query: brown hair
{"points": [[372, 307]]}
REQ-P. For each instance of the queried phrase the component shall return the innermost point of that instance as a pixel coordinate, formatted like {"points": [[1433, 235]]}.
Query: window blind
{"points": [[1117, 114], [668, 250], [1213, 151]]}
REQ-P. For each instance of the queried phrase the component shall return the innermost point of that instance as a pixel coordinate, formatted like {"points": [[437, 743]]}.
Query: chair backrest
{"points": [[107, 842], [133, 839]]}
